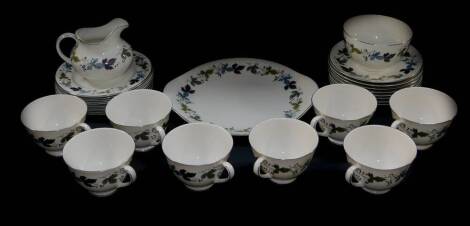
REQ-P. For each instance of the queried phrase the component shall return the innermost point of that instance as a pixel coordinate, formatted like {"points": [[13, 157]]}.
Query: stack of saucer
{"points": [[382, 83], [376, 54], [67, 82]]}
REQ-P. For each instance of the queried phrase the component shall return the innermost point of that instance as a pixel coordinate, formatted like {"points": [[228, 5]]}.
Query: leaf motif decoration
{"points": [[142, 136], [111, 179], [45, 142]]}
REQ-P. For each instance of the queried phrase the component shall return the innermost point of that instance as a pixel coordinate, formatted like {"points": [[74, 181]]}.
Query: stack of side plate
{"points": [[66, 82], [382, 83]]}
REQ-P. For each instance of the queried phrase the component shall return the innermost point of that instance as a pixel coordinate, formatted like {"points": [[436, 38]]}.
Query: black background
{"points": [[298, 36]]}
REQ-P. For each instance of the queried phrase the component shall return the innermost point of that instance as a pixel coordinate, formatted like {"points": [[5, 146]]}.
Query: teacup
{"points": [[99, 160], [376, 41], [283, 148], [341, 108], [379, 156], [143, 114], [53, 120], [424, 114], [197, 154]]}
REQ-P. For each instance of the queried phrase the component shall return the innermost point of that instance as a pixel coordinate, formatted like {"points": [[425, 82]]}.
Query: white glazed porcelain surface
{"points": [[423, 105], [69, 82], [98, 150], [284, 148], [53, 112], [344, 101], [53, 120], [197, 154], [408, 67], [197, 144], [98, 159], [376, 41], [423, 113], [138, 107], [380, 147], [341, 108], [238, 93], [380, 157], [100, 55], [378, 29], [143, 114]]}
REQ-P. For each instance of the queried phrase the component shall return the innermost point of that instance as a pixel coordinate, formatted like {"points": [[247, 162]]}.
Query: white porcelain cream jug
{"points": [[100, 55]]}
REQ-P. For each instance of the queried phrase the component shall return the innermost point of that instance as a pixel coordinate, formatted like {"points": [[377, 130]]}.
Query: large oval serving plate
{"points": [[239, 93]]}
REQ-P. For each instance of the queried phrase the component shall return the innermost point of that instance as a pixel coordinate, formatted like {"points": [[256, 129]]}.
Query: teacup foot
{"points": [[199, 188], [103, 194], [277, 181], [55, 153], [144, 149], [423, 147], [337, 142], [376, 192]]}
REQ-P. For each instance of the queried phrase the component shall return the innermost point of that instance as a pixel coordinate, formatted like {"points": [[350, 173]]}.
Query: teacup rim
{"points": [[83, 107], [406, 42], [110, 102], [316, 138], [392, 103], [115, 166], [223, 130], [374, 100], [409, 140]]}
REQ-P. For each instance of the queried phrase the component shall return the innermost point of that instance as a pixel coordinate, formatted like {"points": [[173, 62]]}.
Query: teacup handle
{"points": [[257, 168], [349, 176], [231, 172], [57, 46], [84, 126], [397, 123], [314, 123], [162, 134], [132, 175]]}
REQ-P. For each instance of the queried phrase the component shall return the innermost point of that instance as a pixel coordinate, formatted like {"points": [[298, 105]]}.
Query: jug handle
{"points": [[57, 46]]}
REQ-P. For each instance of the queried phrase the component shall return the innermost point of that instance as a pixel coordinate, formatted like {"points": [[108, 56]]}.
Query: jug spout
{"points": [[96, 35], [117, 25]]}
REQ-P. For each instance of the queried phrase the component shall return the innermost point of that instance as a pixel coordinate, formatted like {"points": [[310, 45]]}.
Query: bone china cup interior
{"points": [[197, 154], [143, 114], [380, 157], [424, 114], [53, 120], [341, 108], [376, 41], [99, 160], [283, 148]]}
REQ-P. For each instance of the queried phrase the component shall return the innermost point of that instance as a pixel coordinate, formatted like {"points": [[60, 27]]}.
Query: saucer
{"points": [[406, 68], [73, 84], [377, 87]]}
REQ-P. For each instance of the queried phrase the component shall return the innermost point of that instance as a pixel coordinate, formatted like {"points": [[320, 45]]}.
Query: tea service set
{"points": [[235, 97]]}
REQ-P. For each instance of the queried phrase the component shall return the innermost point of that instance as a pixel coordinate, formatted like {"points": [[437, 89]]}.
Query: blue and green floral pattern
{"points": [[374, 55], [430, 135], [285, 80], [333, 128], [410, 62], [57, 143], [93, 63], [64, 77]]}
